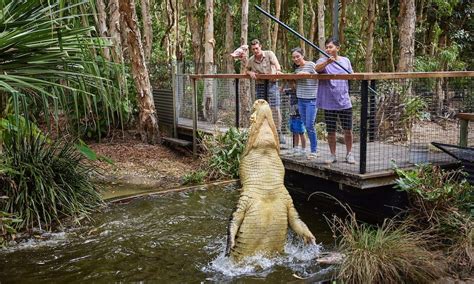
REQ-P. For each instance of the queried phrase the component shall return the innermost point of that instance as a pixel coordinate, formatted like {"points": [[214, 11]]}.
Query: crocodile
{"points": [[265, 210]]}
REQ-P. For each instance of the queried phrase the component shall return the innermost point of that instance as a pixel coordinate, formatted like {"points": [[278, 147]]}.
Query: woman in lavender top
{"points": [[306, 91], [333, 97]]}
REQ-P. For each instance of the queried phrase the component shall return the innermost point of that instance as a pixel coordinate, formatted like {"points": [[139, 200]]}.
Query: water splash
{"points": [[42, 240], [298, 257]]}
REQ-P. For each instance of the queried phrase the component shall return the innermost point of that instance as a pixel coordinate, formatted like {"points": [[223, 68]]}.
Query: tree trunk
{"points": [[209, 43], [421, 19], [321, 33], [266, 36], [312, 30], [229, 39], [407, 35], [370, 35], [390, 46], [147, 28], [102, 25], [282, 51], [275, 25], [115, 31], [168, 41], [179, 39], [191, 7], [301, 23], [329, 6], [244, 87], [148, 122], [342, 22]]}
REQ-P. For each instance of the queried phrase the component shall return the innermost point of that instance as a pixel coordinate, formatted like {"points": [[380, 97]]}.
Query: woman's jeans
{"points": [[307, 109]]}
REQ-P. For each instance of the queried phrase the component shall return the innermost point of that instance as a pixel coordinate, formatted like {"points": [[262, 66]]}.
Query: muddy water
{"points": [[172, 238]]}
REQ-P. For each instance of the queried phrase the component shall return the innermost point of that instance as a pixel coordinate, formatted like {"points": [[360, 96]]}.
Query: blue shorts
{"points": [[273, 95], [296, 125]]}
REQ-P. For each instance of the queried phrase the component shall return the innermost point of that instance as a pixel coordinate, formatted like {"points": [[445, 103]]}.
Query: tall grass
{"points": [[441, 203], [47, 181], [389, 253]]}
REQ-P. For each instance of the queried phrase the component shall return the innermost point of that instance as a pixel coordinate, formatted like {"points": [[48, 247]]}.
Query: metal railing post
{"points": [[266, 90], [195, 116], [364, 93], [463, 132], [237, 103], [372, 111]]}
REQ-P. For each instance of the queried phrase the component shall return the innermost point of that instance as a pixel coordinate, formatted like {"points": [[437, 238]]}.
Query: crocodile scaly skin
{"points": [[265, 209]]}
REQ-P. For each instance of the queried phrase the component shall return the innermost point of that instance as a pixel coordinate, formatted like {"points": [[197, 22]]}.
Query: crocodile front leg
{"points": [[297, 225], [235, 222]]}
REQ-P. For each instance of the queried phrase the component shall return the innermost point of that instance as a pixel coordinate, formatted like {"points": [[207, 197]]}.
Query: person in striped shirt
{"points": [[306, 91]]}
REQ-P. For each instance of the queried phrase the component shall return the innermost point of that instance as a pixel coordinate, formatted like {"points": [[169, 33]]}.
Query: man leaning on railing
{"points": [[265, 62]]}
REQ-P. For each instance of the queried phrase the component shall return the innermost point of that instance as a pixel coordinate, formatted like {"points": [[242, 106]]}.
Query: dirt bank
{"points": [[140, 167]]}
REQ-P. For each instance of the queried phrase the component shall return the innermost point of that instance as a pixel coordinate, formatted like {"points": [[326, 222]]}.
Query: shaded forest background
{"points": [[89, 66], [369, 31]]}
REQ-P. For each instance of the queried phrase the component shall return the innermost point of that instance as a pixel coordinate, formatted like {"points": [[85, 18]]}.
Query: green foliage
{"points": [[441, 203], [321, 132], [444, 7], [414, 110], [7, 226], [435, 187], [46, 180], [390, 253], [223, 153], [16, 125], [446, 59], [196, 177], [50, 64]]}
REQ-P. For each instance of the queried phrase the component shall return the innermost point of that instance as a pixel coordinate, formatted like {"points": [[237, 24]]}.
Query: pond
{"points": [[170, 238]]}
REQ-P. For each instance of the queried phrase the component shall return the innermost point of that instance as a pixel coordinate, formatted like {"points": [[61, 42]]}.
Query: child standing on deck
{"points": [[296, 125]]}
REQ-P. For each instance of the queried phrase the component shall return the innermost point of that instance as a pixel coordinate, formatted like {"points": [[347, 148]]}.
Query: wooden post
{"points": [[464, 119], [174, 90], [195, 117]]}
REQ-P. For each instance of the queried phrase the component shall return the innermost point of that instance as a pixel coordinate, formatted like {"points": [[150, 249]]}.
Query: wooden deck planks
{"points": [[379, 160]]}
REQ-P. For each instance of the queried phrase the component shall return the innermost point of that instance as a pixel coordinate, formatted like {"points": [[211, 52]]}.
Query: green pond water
{"points": [[170, 238]]}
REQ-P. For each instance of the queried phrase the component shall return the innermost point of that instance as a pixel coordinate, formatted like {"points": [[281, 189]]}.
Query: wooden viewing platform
{"points": [[382, 169], [375, 159]]}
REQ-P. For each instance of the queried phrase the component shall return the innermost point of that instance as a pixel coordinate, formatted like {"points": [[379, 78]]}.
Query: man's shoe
{"points": [[350, 158]]}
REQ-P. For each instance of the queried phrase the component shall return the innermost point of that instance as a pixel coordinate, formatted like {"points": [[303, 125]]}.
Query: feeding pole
{"points": [[299, 36], [304, 39]]}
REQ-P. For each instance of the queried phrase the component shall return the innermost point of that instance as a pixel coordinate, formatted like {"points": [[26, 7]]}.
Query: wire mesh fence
{"points": [[392, 125]]}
